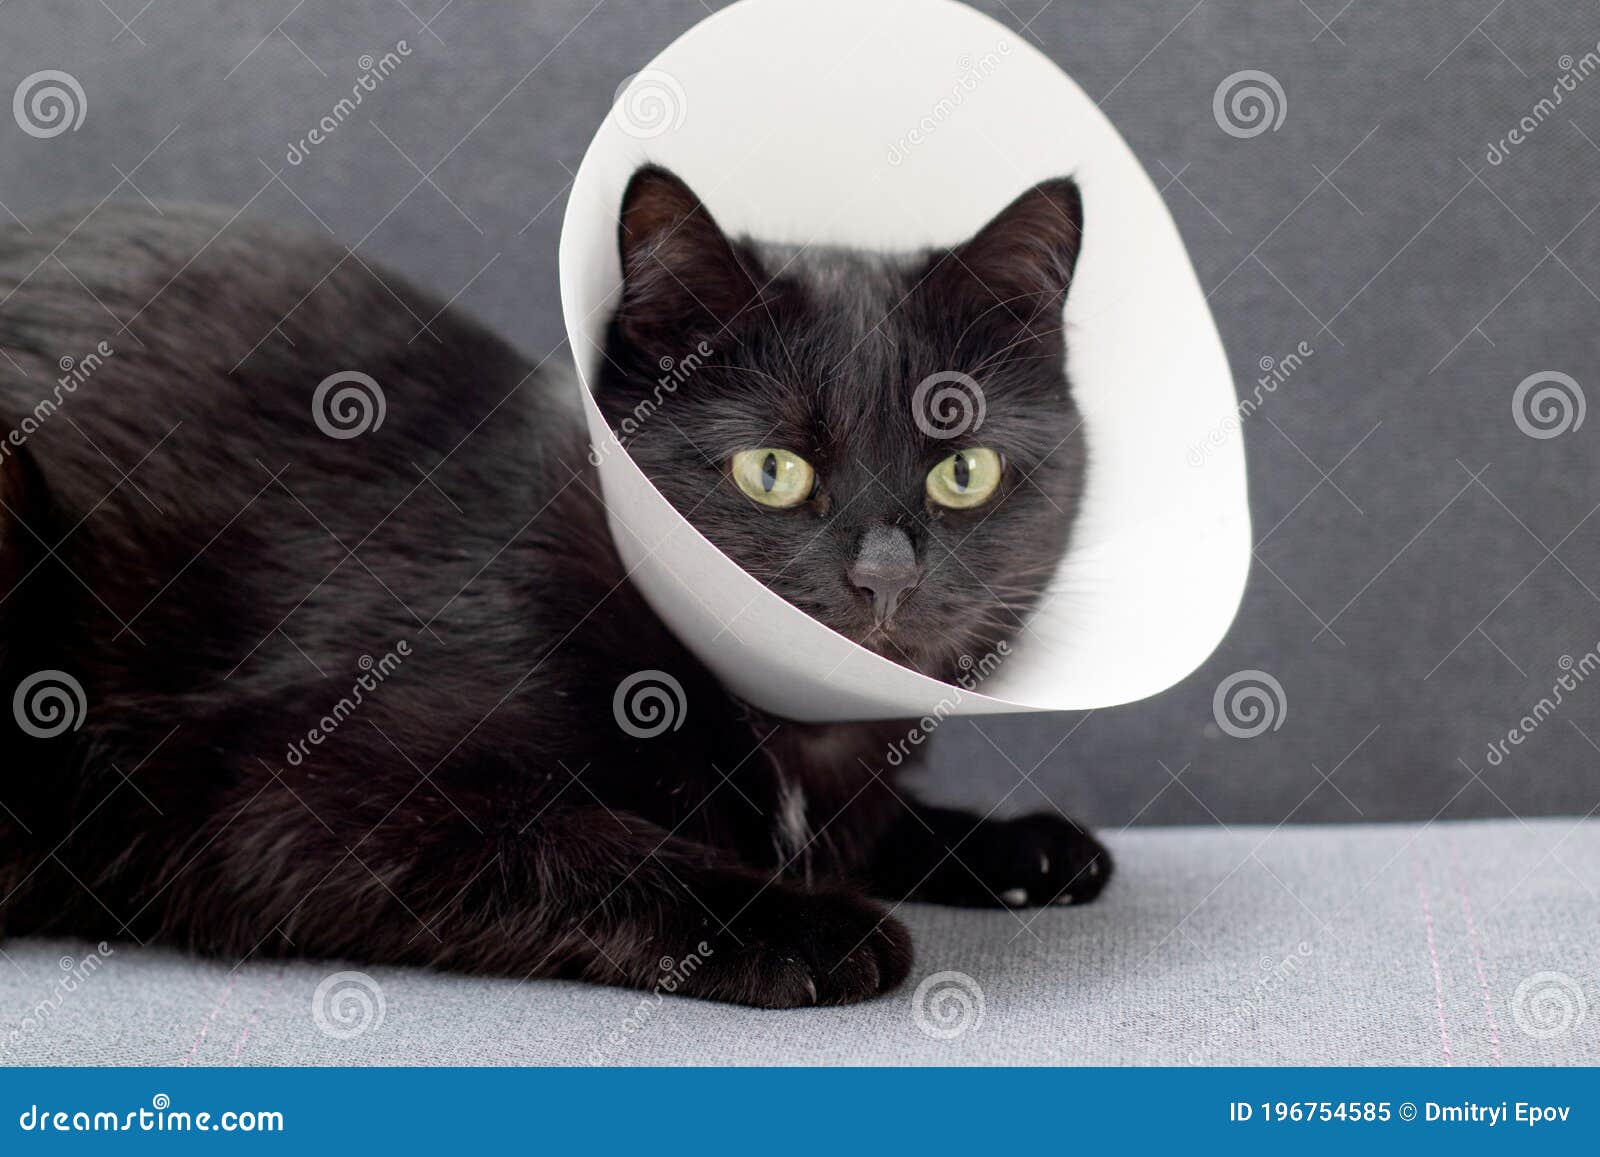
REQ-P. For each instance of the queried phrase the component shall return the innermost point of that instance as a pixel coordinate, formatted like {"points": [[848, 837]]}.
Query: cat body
{"points": [[343, 672]]}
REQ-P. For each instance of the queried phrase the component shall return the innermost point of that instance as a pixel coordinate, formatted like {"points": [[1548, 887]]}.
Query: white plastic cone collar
{"points": [[899, 124]]}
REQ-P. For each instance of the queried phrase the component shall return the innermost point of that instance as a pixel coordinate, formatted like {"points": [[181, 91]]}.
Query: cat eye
{"points": [[966, 479], [774, 477]]}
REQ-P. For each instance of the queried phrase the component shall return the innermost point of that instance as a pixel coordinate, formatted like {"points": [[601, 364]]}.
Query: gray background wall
{"points": [[1422, 564]]}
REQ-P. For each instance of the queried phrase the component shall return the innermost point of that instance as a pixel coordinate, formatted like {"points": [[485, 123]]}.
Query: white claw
{"points": [[1016, 897], [1063, 899], [1044, 864]]}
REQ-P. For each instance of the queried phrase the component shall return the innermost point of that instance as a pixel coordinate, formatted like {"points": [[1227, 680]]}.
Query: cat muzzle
{"points": [[885, 569]]}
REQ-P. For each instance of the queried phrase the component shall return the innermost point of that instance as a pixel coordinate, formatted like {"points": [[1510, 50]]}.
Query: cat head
{"points": [[886, 441]]}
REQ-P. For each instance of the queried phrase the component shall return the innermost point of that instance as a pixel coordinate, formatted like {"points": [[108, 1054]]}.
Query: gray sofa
{"points": [[1453, 943], [1423, 221]]}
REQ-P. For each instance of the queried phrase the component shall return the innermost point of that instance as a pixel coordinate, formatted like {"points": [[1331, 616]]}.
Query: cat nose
{"points": [[885, 568]]}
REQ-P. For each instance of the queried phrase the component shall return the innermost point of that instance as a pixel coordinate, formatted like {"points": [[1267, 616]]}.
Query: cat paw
{"points": [[793, 949], [1027, 862]]}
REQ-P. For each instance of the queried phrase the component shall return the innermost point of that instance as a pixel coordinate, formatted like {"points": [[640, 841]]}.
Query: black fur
{"points": [[180, 539]]}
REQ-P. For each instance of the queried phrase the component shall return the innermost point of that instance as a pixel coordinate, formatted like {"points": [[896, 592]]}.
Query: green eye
{"points": [[966, 479], [773, 477]]}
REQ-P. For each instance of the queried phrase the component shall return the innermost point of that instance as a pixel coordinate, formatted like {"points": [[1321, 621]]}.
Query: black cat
{"points": [[312, 631]]}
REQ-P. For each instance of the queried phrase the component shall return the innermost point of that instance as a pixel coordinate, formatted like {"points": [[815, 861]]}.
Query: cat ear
{"points": [[1023, 259], [680, 273]]}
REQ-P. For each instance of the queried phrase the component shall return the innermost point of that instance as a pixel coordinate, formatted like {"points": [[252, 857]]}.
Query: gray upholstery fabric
{"points": [[1397, 502], [1470, 943]]}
